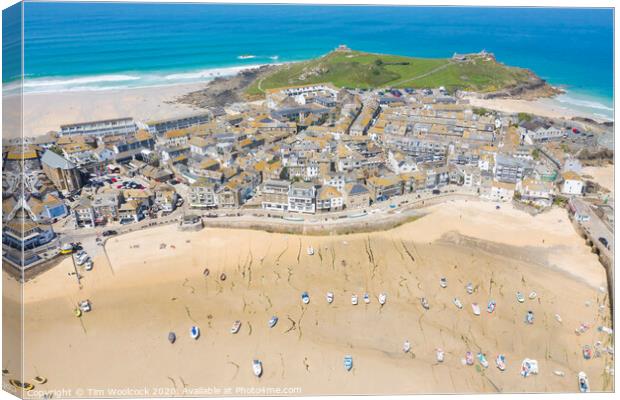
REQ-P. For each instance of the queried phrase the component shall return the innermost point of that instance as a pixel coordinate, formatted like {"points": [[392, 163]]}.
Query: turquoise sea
{"points": [[98, 46]]}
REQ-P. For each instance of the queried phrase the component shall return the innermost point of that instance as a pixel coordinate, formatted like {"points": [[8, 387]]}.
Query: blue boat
{"points": [[273, 321], [305, 297], [194, 332], [348, 363]]}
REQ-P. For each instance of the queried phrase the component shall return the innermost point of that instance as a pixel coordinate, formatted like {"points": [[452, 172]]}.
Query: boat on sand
{"points": [[584, 385], [194, 332], [273, 321], [366, 298], [235, 327], [382, 298], [406, 346], [257, 368], [425, 304], [457, 303], [348, 363], [520, 297], [172, 337], [330, 297], [354, 299], [483, 360], [500, 362], [491, 306], [439, 355], [475, 308], [305, 297]]}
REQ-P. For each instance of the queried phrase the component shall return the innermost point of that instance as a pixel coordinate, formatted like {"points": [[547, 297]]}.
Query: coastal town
{"points": [[323, 164]]}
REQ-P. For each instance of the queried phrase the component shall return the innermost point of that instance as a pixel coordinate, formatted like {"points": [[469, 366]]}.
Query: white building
{"points": [[573, 184]]}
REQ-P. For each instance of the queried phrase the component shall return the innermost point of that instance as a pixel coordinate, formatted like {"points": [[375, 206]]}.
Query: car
{"points": [[603, 241], [436, 191], [126, 221], [110, 232]]}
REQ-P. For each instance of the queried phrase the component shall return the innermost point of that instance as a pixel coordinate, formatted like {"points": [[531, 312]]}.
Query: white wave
{"points": [[582, 102], [209, 73], [36, 83]]}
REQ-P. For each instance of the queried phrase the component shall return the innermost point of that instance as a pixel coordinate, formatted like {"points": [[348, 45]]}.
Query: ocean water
{"points": [[100, 46]]}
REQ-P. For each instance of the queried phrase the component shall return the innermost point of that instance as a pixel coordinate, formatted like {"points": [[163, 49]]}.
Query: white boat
{"points": [[273, 321], [491, 306], [84, 305], [443, 282], [330, 297], [558, 318], [584, 385], [469, 288], [529, 317], [520, 297], [348, 363], [382, 298], [366, 298], [425, 304], [475, 308], [500, 362], [257, 368], [483, 360], [354, 299], [439, 355], [406, 346], [305, 297], [310, 251], [194, 332], [457, 303], [532, 295], [235, 327], [529, 367], [88, 266]]}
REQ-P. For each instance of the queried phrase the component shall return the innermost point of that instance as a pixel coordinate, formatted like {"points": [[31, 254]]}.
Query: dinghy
{"points": [[40, 380], [406, 346], [469, 288], [529, 317], [354, 299], [587, 352], [305, 298], [85, 305], [529, 367], [500, 362], [558, 318], [348, 363], [439, 355], [273, 321], [330, 297], [77, 312], [469, 358], [172, 337], [483, 360], [475, 308], [366, 298], [235, 327], [425, 303], [194, 332], [257, 368], [310, 250], [520, 297], [491, 306], [457, 303], [584, 385], [382, 298], [443, 282], [532, 295]]}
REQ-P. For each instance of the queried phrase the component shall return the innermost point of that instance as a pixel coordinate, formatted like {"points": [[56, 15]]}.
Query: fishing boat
{"points": [[469, 288], [257, 368], [425, 304], [366, 298], [532, 295], [520, 297], [330, 297], [439, 355], [273, 321], [310, 250], [475, 308], [469, 358], [194, 332], [584, 385], [305, 298], [235, 327], [348, 363], [529, 317], [406, 346], [382, 298], [500, 362], [483, 360], [457, 303], [443, 282], [354, 299], [172, 337]]}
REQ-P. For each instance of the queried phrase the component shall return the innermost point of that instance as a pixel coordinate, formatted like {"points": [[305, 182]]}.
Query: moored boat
{"points": [[475, 308], [273, 321], [491, 306], [457, 303], [354, 299], [500, 362], [520, 297], [194, 332], [443, 282], [257, 368], [584, 385], [366, 298], [235, 327], [172, 337], [330, 297], [305, 297], [348, 363]]}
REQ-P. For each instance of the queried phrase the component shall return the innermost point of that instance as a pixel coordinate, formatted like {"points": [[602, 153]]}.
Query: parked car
{"points": [[110, 232]]}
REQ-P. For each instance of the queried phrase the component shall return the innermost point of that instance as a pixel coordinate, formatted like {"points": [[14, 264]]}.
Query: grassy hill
{"points": [[356, 69]]}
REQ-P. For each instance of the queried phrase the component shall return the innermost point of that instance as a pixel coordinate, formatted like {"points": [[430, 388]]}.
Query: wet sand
{"points": [[145, 292]]}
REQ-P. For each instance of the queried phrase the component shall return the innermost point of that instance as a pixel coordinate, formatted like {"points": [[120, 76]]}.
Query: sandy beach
{"points": [[604, 176], [146, 291]]}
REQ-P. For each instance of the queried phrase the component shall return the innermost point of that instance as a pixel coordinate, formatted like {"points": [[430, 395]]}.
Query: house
{"points": [[106, 206], [229, 195], [130, 210], [274, 195], [509, 169], [383, 187], [156, 174], [165, 197], [301, 197], [198, 145], [202, 194], [572, 183], [62, 172], [356, 196], [176, 137], [537, 192], [502, 191], [49, 207], [83, 213], [329, 199]]}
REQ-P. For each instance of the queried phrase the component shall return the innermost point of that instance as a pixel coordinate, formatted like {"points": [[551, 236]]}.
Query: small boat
{"points": [[382, 298], [354, 299], [469, 288], [257, 367], [206, 272], [425, 304], [557, 372], [439, 355], [21, 385], [77, 312], [366, 298], [587, 352], [529, 317], [40, 380], [194, 332], [310, 250], [330, 297], [529, 367], [235, 327], [558, 318], [443, 282], [483, 360], [500, 362], [469, 358], [222, 276], [491, 306], [457, 303], [348, 363], [584, 385], [475, 308], [84, 305], [88, 266], [406, 346], [172, 337], [532, 295], [520, 297], [273, 321], [305, 297]]}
